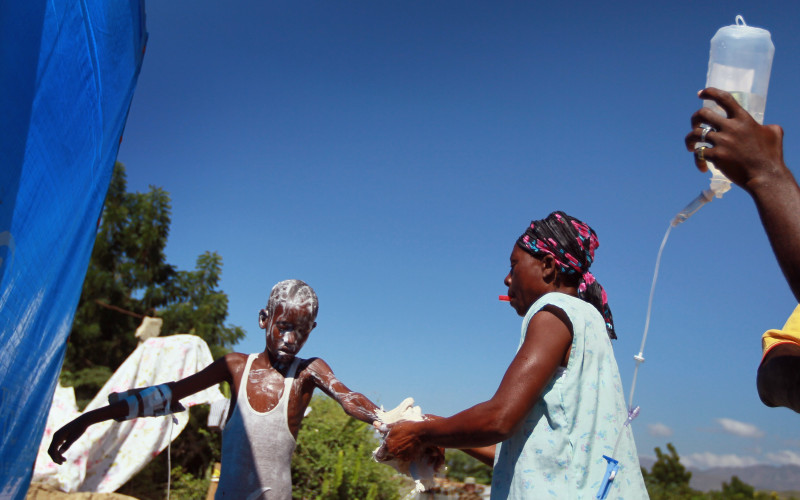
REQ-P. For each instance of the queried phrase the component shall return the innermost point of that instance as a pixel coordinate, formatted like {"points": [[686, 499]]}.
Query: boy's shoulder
{"points": [[313, 363], [313, 367], [236, 361], [236, 357]]}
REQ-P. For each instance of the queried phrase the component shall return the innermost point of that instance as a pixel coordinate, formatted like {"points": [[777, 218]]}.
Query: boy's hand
{"points": [[63, 439]]}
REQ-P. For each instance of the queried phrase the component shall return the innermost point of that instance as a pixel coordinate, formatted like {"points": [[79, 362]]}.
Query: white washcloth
{"points": [[420, 470]]}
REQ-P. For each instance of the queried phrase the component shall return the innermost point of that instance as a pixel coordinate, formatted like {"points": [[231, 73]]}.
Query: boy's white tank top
{"points": [[257, 447]]}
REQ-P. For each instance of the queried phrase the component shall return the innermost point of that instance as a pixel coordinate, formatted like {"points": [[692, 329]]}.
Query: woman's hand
{"points": [[63, 439], [403, 441]]}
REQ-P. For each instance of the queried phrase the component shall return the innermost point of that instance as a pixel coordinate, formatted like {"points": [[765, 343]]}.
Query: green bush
{"points": [[333, 458]]}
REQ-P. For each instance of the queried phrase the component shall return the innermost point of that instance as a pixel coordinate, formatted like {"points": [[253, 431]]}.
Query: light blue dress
{"points": [[558, 451]]}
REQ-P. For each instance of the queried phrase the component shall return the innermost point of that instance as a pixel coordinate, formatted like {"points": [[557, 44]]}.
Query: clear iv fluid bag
{"points": [[740, 62]]}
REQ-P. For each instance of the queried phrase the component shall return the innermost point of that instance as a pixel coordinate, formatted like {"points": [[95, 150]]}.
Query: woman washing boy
{"points": [[560, 406], [270, 393]]}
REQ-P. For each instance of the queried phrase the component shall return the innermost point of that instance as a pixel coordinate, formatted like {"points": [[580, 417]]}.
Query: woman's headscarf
{"points": [[572, 244]]}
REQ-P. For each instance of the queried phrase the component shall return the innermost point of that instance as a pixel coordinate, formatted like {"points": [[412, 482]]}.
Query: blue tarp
{"points": [[67, 74]]}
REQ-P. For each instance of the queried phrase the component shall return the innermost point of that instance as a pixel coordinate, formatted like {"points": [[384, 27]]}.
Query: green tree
{"points": [[739, 490], [197, 307], [193, 454], [333, 458], [128, 277], [736, 490], [668, 478], [460, 466]]}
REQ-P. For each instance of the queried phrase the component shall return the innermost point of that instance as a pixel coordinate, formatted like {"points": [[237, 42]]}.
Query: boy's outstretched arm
{"points": [[63, 438], [353, 403]]}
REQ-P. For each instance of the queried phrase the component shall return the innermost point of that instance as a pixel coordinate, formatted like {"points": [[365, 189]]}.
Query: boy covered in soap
{"points": [[270, 393]]}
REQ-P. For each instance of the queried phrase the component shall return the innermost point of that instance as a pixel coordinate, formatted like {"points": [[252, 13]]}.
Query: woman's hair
{"points": [[294, 292], [572, 244]]}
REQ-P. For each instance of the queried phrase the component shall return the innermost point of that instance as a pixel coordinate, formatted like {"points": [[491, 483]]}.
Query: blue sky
{"points": [[390, 153]]}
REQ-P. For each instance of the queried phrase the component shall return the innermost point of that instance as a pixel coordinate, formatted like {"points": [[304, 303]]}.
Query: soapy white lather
{"points": [[292, 293], [420, 470]]}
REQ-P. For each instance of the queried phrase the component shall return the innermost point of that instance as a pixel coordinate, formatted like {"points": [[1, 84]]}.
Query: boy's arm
{"points": [[215, 373], [353, 403], [63, 438]]}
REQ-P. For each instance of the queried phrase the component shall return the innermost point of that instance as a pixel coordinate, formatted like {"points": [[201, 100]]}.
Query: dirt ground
{"points": [[42, 492]]}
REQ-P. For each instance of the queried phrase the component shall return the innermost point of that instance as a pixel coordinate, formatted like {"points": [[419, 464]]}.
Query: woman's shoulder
{"points": [[580, 313], [559, 297], [570, 305]]}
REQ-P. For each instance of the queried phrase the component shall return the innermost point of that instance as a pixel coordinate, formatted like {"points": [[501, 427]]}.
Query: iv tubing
{"points": [[640, 357], [704, 197]]}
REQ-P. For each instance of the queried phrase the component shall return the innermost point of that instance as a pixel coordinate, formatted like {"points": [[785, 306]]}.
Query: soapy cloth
{"points": [[420, 470]]}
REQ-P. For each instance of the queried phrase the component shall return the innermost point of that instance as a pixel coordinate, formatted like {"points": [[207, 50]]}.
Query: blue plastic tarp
{"points": [[67, 74]]}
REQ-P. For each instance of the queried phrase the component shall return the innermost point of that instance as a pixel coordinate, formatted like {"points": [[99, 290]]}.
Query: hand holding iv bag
{"points": [[740, 62]]}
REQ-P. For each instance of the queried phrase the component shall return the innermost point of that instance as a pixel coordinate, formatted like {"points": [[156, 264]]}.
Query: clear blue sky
{"points": [[390, 153]]}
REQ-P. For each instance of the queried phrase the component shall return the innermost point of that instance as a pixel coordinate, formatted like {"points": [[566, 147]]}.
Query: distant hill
{"points": [[761, 477]]}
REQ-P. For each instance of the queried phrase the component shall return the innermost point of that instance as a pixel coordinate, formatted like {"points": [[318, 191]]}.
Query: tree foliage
{"points": [[333, 458], [193, 454], [460, 466], [128, 277], [668, 479]]}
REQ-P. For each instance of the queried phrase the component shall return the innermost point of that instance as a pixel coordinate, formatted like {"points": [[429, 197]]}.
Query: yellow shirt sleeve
{"points": [[790, 333]]}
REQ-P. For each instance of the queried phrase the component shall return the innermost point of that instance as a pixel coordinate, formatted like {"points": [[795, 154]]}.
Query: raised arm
{"points": [[751, 155], [353, 403], [63, 438], [546, 344]]}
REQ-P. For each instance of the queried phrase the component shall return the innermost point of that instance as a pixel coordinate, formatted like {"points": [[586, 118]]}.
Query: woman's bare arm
{"points": [[547, 341]]}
